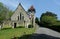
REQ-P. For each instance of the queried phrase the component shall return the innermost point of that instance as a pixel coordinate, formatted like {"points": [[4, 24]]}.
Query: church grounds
{"points": [[9, 33]]}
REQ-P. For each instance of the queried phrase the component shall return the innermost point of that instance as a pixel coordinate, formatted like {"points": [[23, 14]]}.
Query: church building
{"points": [[23, 18]]}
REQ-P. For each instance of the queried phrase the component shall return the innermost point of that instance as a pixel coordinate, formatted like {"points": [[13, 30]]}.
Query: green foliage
{"points": [[37, 20], [10, 14], [30, 26], [48, 14], [5, 13], [48, 18]]}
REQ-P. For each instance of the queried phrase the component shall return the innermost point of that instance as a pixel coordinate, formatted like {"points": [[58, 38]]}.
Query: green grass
{"points": [[17, 32]]}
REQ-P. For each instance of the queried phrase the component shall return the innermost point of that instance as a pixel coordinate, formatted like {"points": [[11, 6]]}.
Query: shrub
{"points": [[30, 26]]}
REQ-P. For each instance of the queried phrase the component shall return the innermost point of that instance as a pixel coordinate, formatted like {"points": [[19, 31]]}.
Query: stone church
{"points": [[22, 17]]}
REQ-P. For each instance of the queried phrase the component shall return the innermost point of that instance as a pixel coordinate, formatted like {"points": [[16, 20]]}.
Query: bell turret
{"points": [[31, 12], [31, 9]]}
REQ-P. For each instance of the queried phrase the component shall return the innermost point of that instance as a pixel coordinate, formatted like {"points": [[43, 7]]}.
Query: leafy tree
{"points": [[48, 14], [37, 20], [10, 13], [48, 19], [5, 13]]}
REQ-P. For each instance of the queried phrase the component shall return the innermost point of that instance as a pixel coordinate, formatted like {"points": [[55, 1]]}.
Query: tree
{"points": [[9, 14], [48, 14], [48, 19], [37, 20], [5, 13]]}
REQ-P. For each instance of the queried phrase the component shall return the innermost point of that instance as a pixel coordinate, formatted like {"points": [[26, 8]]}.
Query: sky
{"points": [[41, 6]]}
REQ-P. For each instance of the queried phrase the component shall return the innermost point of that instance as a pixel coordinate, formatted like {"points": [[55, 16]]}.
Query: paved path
{"points": [[45, 33]]}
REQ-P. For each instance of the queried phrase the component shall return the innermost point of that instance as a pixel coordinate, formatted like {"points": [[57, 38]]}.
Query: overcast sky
{"points": [[41, 6]]}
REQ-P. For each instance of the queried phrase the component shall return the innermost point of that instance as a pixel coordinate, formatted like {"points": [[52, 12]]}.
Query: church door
{"points": [[14, 25]]}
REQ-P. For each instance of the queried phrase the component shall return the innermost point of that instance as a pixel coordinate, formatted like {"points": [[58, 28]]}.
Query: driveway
{"points": [[45, 33], [42, 33]]}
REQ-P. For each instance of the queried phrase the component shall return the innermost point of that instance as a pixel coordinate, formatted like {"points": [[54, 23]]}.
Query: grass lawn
{"points": [[17, 32]]}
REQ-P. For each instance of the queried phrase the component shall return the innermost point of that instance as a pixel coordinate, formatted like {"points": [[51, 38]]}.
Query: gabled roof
{"points": [[22, 7]]}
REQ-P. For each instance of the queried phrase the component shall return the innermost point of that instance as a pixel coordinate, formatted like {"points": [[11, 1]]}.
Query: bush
{"points": [[30, 26]]}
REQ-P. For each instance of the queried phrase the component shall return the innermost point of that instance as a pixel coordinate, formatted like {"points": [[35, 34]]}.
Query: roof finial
{"points": [[19, 3]]}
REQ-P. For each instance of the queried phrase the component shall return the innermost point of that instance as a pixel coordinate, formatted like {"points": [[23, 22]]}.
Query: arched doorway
{"points": [[15, 25]]}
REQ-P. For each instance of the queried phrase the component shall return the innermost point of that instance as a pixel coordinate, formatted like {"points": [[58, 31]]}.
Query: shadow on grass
{"points": [[36, 36], [5, 28], [20, 27], [11, 28]]}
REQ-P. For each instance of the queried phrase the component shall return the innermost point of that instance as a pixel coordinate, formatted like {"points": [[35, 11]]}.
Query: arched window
{"points": [[20, 16]]}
